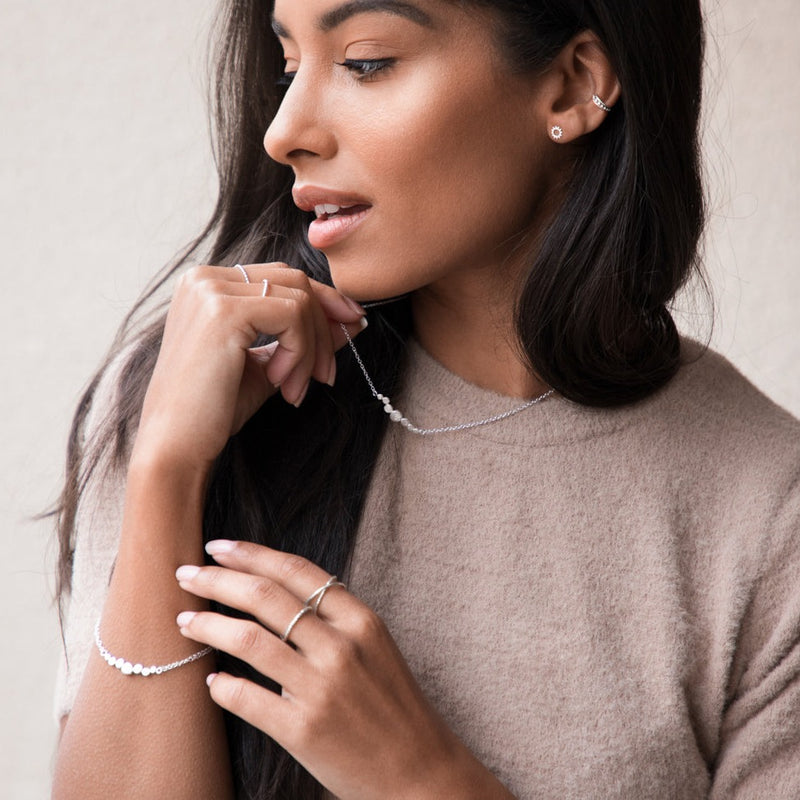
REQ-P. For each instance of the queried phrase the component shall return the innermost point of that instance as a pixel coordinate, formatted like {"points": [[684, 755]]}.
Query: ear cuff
{"points": [[600, 104]]}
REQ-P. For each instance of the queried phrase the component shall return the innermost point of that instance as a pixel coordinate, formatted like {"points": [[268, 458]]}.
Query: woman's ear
{"points": [[583, 89]]}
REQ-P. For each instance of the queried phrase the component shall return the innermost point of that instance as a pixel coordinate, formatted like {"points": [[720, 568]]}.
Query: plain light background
{"points": [[105, 171]]}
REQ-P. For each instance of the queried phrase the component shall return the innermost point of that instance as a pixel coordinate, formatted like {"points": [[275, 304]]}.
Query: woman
{"points": [[571, 566]]}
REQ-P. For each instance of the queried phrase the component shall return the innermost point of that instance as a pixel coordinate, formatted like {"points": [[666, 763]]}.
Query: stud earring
{"points": [[556, 132]]}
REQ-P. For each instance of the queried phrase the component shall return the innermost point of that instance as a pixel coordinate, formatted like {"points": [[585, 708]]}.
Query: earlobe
{"points": [[588, 89]]}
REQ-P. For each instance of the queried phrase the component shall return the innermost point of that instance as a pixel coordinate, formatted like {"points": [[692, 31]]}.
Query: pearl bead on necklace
{"points": [[397, 416]]}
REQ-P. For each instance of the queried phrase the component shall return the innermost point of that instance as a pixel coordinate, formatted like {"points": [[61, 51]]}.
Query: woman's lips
{"points": [[338, 214], [327, 230]]}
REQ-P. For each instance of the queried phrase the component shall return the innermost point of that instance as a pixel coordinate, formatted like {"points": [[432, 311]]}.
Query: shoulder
{"points": [[731, 455], [711, 382], [711, 410]]}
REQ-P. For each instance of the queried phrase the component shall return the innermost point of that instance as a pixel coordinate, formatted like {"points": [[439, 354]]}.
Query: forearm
{"points": [[460, 777], [154, 736]]}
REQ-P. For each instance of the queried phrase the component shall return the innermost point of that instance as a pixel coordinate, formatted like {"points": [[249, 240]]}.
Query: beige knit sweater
{"points": [[602, 604]]}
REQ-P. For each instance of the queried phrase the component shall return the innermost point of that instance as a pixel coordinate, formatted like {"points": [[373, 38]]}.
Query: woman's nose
{"points": [[299, 129]]}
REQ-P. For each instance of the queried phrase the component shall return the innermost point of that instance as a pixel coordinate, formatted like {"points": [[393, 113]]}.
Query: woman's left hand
{"points": [[350, 710]]}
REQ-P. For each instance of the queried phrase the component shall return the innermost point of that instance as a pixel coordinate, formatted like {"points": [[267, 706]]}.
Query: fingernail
{"points": [[217, 546], [332, 373], [184, 618], [302, 397], [186, 573], [355, 306], [268, 350], [210, 678], [363, 323]]}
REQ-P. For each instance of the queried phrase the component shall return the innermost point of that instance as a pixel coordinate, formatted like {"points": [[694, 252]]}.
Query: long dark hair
{"points": [[592, 317]]}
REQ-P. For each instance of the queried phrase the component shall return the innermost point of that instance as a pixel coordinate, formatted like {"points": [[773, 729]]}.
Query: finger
{"points": [[249, 642], [353, 328], [296, 574], [292, 362], [293, 374], [288, 319], [332, 327], [270, 603], [298, 386], [262, 355], [263, 709], [331, 306], [252, 289], [334, 304], [292, 369], [325, 363]]}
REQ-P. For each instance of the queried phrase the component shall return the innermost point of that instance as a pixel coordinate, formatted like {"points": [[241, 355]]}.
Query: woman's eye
{"points": [[364, 69]]}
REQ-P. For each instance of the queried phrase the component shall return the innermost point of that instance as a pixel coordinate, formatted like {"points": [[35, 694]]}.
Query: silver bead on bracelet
{"points": [[128, 668]]}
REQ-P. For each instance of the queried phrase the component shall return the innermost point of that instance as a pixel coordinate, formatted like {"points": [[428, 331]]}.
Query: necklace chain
{"points": [[397, 416]]}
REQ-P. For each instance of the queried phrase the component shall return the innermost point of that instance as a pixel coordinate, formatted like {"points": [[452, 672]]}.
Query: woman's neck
{"points": [[472, 334]]}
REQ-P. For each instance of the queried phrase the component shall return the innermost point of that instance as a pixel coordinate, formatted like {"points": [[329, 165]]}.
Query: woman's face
{"points": [[422, 153]]}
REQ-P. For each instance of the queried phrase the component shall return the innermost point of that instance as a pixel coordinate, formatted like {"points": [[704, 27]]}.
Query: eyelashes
{"points": [[366, 69], [362, 69]]}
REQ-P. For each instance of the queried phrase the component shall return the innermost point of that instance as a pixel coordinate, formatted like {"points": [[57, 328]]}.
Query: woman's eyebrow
{"points": [[336, 16]]}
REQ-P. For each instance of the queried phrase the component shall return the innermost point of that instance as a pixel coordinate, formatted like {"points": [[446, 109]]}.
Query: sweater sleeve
{"points": [[97, 526], [759, 754]]}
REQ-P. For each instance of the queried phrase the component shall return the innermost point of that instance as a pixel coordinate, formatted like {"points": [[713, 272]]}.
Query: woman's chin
{"points": [[365, 289]]}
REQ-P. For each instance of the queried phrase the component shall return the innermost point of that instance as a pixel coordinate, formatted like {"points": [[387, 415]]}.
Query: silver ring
{"points": [[320, 593], [266, 287], [599, 103], [243, 271], [297, 617]]}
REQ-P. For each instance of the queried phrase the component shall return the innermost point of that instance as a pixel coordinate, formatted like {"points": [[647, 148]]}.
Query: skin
{"points": [[452, 155]]}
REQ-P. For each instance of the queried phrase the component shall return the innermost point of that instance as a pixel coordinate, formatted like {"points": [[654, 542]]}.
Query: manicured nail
{"points": [[266, 352], [332, 373], [186, 573], [302, 397], [184, 618], [363, 323], [210, 678], [217, 546], [355, 306]]}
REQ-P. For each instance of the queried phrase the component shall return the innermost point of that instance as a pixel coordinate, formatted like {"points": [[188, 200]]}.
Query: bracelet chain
{"points": [[129, 668]]}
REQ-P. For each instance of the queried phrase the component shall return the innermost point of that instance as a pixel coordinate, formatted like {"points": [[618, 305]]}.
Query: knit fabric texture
{"points": [[600, 603]]}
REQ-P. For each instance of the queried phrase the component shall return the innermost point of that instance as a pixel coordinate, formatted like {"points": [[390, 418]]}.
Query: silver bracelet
{"points": [[127, 668]]}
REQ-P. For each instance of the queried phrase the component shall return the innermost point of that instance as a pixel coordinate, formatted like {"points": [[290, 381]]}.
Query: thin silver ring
{"points": [[264, 291], [297, 617], [599, 103], [320, 593], [243, 271]]}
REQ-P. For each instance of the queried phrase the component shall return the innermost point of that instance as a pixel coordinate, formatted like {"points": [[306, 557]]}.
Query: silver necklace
{"points": [[397, 416]]}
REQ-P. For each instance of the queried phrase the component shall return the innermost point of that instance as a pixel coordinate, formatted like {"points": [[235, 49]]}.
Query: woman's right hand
{"points": [[208, 380]]}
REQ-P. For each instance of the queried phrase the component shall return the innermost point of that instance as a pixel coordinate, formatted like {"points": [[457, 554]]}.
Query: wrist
{"points": [[459, 776], [164, 501], [158, 469]]}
